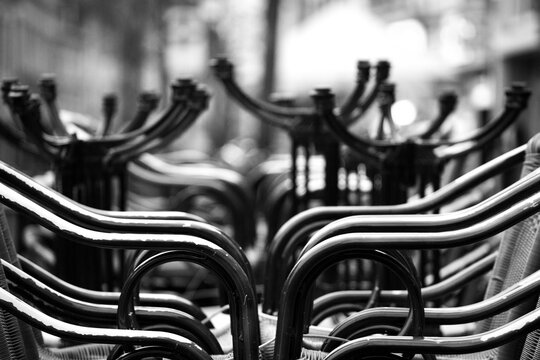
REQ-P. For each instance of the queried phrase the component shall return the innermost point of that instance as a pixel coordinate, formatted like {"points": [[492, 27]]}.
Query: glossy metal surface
{"points": [[56, 327], [296, 302], [507, 197], [109, 297], [233, 179], [437, 345], [103, 315], [234, 183], [298, 227], [242, 297], [91, 237], [212, 189], [71, 211], [432, 292], [526, 288], [149, 352], [86, 164], [446, 239], [197, 249]]}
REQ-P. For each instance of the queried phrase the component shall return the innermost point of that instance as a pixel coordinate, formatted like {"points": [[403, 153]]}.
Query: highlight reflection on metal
{"points": [[295, 230], [296, 301], [195, 247], [526, 288], [90, 166], [414, 240], [70, 210], [99, 314], [239, 198], [322, 306], [98, 335], [109, 297], [507, 197], [241, 295], [437, 345], [244, 230]]}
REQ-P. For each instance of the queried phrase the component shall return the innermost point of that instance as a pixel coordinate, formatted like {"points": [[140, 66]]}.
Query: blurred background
{"points": [[474, 47]]}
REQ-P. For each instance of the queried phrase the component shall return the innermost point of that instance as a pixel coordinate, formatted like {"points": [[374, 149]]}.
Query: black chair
{"points": [[517, 259], [243, 300], [294, 233], [20, 341]]}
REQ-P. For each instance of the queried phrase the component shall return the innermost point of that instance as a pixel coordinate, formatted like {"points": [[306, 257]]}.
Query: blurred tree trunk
{"points": [[157, 11], [269, 77], [131, 56]]}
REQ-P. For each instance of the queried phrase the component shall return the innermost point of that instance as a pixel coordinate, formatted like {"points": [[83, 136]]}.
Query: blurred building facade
{"points": [[476, 47], [88, 45]]}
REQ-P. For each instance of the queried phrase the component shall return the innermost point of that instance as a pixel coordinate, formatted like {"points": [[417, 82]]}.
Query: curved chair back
{"points": [[531, 348], [21, 337], [20, 341], [519, 255]]}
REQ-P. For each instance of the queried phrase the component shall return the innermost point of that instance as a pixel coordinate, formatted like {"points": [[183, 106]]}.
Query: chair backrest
{"points": [[519, 256], [20, 341], [531, 348], [23, 340]]}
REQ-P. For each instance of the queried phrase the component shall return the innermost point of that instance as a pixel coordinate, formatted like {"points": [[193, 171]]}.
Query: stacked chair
{"points": [[396, 166], [348, 272]]}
